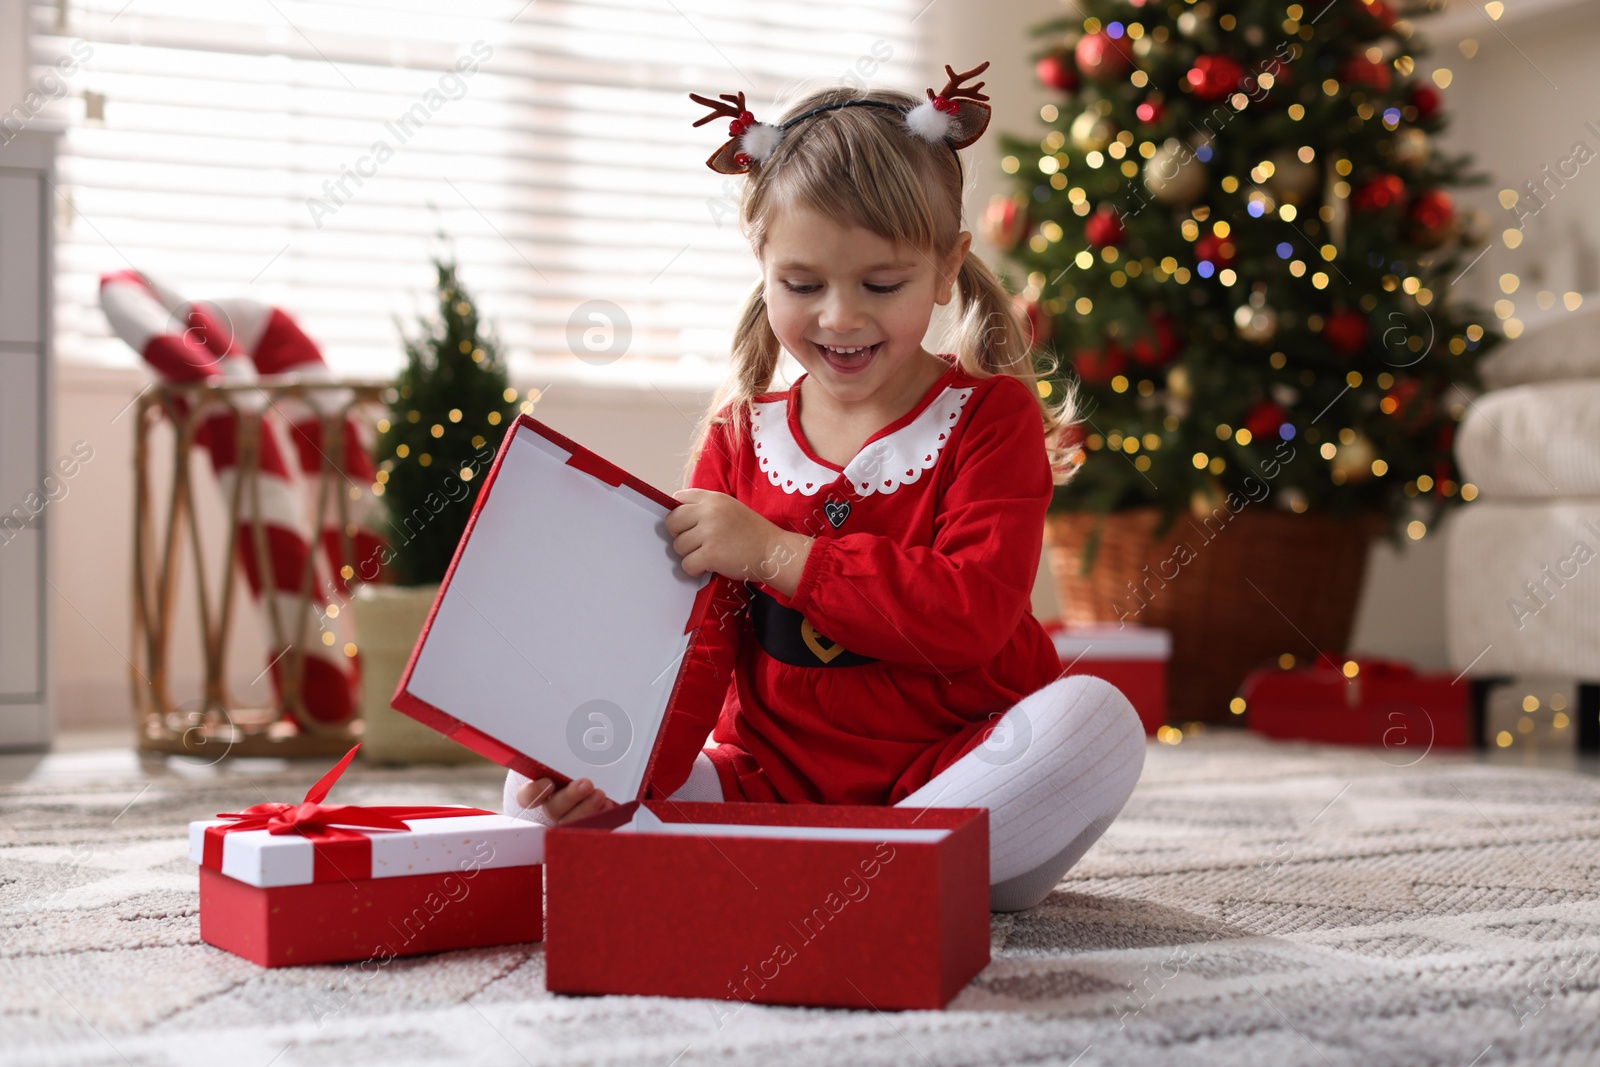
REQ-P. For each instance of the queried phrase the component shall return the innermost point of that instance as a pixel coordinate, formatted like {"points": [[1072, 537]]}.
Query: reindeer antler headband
{"points": [[956, 116]]}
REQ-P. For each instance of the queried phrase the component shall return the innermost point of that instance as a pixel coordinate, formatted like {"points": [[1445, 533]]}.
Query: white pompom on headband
{"points": [[956, 116]]}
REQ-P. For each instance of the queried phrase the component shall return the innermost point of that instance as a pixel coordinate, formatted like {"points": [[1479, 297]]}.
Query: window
{"points": [[307, 153]]}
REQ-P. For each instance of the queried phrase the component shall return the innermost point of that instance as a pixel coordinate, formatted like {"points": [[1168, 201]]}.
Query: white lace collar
{"points": [[882, 465]]}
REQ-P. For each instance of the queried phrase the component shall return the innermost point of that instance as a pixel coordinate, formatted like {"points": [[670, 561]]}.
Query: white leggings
{"points": [[1054, 772]]}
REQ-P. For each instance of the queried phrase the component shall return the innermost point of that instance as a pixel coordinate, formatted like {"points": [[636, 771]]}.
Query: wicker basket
{"points": [[1236, 591]]}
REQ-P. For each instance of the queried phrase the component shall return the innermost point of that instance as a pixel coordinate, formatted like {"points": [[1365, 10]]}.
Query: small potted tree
{"points": [[448, 411]]}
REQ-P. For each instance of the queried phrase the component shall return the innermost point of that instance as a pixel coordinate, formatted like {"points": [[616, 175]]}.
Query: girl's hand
{"points": [[572, 801], [714, 532]]}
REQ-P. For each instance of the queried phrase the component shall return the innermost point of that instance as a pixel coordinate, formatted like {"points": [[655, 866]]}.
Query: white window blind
{"points": [[307, 153]]}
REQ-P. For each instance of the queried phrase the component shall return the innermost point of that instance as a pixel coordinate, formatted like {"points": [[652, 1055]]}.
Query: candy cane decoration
{"points": [[276, 345], [185, 349]]}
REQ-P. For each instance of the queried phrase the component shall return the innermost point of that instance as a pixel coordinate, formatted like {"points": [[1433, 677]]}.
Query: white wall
{"points": [[1505, 112], [13, 51]]}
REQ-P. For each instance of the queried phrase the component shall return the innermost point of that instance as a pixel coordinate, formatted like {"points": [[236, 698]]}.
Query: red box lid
{"points": [[565, 633]]}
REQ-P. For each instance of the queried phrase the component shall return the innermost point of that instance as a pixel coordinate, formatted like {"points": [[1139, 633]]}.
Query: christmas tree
{"points": [[448, 411], [1237, 229]]}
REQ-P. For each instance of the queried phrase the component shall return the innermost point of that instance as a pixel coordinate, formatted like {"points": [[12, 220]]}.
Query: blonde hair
{"points": [[863, 167]]}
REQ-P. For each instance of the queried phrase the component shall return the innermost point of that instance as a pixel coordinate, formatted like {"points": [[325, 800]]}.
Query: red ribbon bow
{"points": [[339, 851]]}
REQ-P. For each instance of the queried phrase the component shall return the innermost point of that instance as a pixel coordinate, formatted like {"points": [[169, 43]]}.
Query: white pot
{"points": [[388, 620]]}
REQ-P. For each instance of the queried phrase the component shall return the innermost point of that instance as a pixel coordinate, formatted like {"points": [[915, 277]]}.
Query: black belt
{"points": [[786, 636]]}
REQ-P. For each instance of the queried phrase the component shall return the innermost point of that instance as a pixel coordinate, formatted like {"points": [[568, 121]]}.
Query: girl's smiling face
{"points": [[831, 287]]}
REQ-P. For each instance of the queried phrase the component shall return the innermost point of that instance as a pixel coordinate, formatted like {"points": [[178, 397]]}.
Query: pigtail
{"points": [[752, 364], [992, 340]]}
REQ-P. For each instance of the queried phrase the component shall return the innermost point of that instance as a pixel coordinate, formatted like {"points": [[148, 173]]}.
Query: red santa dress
{"points": [[910, 630]]}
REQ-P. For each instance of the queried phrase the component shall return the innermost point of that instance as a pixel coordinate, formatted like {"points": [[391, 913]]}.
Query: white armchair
{"points": [[1522, 563]]}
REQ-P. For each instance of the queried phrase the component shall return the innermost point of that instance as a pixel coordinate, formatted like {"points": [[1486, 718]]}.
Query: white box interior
{"points": [[645, 821], [561, 631]]}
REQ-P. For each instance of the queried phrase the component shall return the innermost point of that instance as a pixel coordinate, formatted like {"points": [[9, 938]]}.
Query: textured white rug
{"points": [[1255, 903]]}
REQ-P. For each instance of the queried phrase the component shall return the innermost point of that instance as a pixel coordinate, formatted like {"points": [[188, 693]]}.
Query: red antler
{"points": [[953, 89], [732, 109]]}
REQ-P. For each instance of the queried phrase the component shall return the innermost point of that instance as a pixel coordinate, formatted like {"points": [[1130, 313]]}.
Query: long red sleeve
{"points": [[706, 676], [952, 605]]}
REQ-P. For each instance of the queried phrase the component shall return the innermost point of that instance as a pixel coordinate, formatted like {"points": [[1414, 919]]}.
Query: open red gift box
{"points": [[311, 882], [567, 641], [855, 907]]}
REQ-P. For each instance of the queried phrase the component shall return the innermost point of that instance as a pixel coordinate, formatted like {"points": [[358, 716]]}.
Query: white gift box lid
{"points": [[559, 635], [1111, 642], [466, 843]]}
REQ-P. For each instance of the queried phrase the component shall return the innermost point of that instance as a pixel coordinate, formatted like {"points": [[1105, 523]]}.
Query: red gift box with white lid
{"points": [[1132, 658], [567, 641], [809, 904], [306, 883]]}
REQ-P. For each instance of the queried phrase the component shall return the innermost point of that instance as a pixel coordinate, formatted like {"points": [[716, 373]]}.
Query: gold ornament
{"points": [[1412, 148], [1203, 503], [1091, 132], [1292, 181], [1337, 207], [1474, 227], [1255, 321], [1353, 462], [1174, 175]]}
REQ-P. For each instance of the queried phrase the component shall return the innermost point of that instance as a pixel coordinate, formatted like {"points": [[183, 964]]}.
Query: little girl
{"points": [[881, 518]]}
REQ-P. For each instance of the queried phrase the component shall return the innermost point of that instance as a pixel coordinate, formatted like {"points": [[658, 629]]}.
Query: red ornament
{"points": [[1103, 58], [1431, 216], [1359, 70], [1412, 409], [1157, 348], [1218, 251], [1151, 111], [1378, 11], [1346, 331], [1004, 221], [1104, 228], [1426, 99], [1037, 323], [1380, 194], [1215, 77], [1098, 366], [1264, 419], [1058, 71]]}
